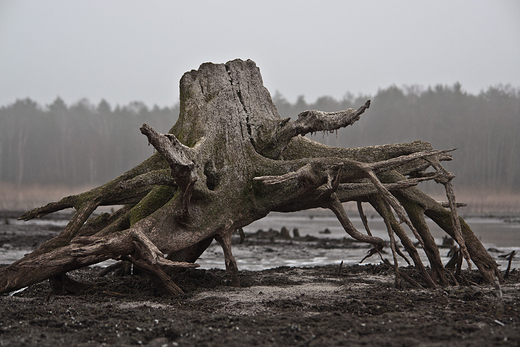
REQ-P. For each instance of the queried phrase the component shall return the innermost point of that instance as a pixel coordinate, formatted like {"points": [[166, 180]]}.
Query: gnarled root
{"points": [[230, 160], [416, 201], [224, 240], [132, 245], [335, 206]]}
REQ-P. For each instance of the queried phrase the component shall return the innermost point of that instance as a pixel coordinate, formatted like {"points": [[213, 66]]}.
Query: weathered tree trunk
{"points": [[228, 161]]}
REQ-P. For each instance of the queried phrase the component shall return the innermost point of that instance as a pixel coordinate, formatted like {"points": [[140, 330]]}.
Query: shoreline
{"points": [[271, 242]]}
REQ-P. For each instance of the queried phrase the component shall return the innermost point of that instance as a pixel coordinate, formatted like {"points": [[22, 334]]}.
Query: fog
{"points": [[137, 50]]}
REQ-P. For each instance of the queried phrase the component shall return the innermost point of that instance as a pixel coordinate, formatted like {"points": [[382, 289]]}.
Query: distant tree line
{"points": [[76, 144], [485, 128], [83, 143]]}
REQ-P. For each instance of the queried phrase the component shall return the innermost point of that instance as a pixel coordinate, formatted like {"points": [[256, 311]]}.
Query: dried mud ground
{"points": [[318, 306]]}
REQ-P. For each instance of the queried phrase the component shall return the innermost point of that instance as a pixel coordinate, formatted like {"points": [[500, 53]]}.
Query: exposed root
{"points": [[445, 179], [402, 255], [230, 160], [224, 240], [162, 281], [392, 201], [392, 225], [416, 214], [335, 206], [363, 217]]}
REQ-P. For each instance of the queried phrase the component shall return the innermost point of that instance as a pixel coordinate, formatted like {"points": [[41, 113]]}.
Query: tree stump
{"points": [[230, 160]]}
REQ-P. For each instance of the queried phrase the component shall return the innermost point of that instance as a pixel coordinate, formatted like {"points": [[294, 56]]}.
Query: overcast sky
{"points": [[125, 50]]}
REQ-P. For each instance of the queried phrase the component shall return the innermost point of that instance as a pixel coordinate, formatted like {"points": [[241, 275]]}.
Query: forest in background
{"points": [[83, 143]]}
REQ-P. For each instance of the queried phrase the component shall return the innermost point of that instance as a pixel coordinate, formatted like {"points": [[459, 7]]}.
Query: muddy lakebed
{"points": [[293, 292]]}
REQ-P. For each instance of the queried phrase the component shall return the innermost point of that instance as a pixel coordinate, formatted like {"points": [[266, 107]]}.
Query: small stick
{"points": [[459, 264], [398, 250], [340, 268], [510, 259], [363, 217]]}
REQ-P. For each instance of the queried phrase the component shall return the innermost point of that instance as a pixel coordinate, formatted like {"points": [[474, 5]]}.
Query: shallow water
{"points": [[494, 233]]}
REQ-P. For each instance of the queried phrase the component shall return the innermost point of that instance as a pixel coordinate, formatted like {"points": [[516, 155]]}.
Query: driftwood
{"points": [[230, 160]]}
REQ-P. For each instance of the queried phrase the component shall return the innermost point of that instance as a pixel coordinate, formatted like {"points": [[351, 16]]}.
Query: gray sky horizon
{"points": [[124, 51]]}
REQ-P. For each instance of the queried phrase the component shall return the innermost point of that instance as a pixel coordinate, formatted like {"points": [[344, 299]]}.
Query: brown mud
{"points": [[319, 306], [288, 306]]}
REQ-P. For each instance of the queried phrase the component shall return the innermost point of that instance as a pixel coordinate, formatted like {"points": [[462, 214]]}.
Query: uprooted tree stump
{"points": [[230, 160]]}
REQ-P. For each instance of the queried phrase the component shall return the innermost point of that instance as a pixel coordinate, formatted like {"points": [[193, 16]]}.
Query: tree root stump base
{"points": [[230, 160]]}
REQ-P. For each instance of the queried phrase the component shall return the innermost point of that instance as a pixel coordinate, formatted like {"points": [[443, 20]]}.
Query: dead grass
{"points": [[480, 201], [483, 201], [26, 197]]}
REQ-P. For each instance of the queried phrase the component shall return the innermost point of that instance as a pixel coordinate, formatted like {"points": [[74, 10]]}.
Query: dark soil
{"points": [[317, 306], [287, 306]]}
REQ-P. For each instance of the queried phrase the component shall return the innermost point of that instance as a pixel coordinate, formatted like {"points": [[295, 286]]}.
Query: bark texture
{"points": [[230, 160]]}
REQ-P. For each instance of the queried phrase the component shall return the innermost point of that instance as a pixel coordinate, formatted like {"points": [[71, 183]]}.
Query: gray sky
{"points": [[125, 50]]}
